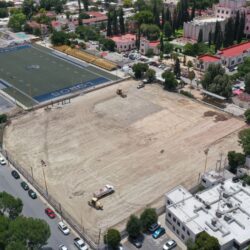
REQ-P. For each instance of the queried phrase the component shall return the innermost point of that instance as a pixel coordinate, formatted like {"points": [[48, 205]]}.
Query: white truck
{"points": [[106, 190]]}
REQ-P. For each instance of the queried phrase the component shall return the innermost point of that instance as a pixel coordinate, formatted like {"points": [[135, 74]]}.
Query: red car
{"points": [[50, 213]]}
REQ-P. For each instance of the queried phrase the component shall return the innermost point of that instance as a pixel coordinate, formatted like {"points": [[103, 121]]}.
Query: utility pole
{"points": [[45, 183]]}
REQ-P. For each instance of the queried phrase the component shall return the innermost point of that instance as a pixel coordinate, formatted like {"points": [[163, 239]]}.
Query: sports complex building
{"points": [[31, 74]]}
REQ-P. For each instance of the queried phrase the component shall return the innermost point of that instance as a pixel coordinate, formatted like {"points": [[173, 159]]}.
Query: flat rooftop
{"points": [[222, 211]]}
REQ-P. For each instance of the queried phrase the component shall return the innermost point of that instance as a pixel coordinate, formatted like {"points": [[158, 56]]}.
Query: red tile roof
{"points": [[94, 19], [154, 44], [235, 50], [95, 13], [124, 38], [209, 58]]}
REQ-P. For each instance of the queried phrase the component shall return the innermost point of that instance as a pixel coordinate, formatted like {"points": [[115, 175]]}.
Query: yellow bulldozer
{"points": [[95, 203]]}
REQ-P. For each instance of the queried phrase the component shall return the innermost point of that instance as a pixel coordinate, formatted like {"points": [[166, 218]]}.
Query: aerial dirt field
{"points": [[143, 145]]}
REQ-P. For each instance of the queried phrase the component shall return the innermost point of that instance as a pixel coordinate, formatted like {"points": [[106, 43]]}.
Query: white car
{"points": [[62, 227], [2, 161], [170, 244], [63, 247], [80, 244]]}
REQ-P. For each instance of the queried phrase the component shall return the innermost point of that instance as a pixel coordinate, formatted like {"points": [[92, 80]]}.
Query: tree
{"points": [[241, 28], [10, 205], [4, 12], [150, 75], [236, 24], [216, 31], [156, 13], [114, 22], [127, 3], [191, 76], [121, 21], [133, 226], [112, 238], [189, 65], [219, 41], [109, 25], [144, 17], [108, 44], [170, 82], [161, 44], [16, 21], [235, 160], [247, 83], [193, 10], [229, 33], [86, 5], [204, 241], [177, 68], [244, 68], [139, 69], [3, 118], [28, 8], [151, 31], [148, 218], [168, 47], [200, 36], [244, 140], [167, 29], [209, 38], [59, 38]]}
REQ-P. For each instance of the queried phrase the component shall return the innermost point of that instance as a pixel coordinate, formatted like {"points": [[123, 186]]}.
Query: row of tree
{"points": [[115, 24], [17, 231]]}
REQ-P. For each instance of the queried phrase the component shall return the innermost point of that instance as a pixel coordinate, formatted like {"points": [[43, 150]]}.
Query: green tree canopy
{"points": [[170, 81], [133, 226], [151, 31], [235, 160], [247, 115], [139, 69], [112, 238], [204, 241], [167, 29], [59, 38], [144, 17], [247, 82], [28, 8], [10, 205], [244, 140], [108, 44], [168, 48], [244, 68], [150, 75], [17, 21], [148, 218]]}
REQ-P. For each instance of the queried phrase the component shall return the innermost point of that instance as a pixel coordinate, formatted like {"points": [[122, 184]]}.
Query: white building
{"points": [[222, 211], [228, 8], [206, 24], [125, 42]]}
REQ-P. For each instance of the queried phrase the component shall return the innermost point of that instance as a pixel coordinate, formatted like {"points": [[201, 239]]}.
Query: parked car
{"points": [[15, 174], [170, 244], [63, 228], [137, 242], [24, 185], [50, 212], [2, 161], [154, 227], [80, 244], [63, 247], [159, 232], [32, 194]]}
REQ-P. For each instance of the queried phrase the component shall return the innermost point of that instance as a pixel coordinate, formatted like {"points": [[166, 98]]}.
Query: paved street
{"points": [[34, 208]]}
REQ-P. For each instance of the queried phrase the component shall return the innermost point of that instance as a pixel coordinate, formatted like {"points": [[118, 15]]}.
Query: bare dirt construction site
{"points": [[143, 145]]}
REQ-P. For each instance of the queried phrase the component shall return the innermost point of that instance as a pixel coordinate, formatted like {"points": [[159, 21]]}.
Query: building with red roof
{"points": [[229, 57], [124, 42], [146, 45], [234, 55]]}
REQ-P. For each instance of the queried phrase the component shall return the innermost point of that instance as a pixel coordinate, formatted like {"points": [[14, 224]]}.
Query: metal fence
{"points": [[55, 204]]}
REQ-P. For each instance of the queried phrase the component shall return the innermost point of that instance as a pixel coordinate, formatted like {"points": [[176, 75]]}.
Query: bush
{"points": [[148, 218], [3, 118], [186, 93]]}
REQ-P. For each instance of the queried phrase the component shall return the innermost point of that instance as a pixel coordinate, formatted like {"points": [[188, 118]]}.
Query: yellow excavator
{"points": [[95, 203]]}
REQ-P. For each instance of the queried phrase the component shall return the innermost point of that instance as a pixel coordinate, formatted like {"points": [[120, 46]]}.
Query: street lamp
{"points": [[45, 183]]}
